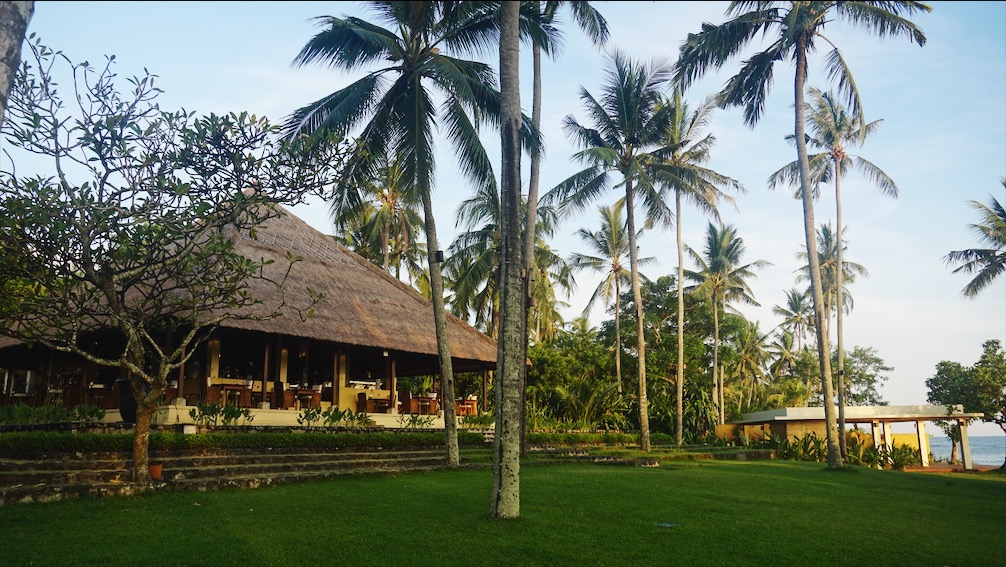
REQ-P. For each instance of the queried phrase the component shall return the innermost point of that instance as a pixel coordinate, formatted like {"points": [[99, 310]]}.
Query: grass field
{"points": [[723, 513]]}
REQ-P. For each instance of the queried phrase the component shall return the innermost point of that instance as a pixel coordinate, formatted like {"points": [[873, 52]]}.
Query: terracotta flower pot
{"points": [[156, 469]]}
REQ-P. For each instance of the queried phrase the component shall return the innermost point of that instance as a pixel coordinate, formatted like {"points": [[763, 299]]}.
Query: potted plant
{"points": [[156, 469]]}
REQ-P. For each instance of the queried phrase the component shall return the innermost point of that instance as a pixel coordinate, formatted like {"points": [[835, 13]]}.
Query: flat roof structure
{"points": [[879, 418]]}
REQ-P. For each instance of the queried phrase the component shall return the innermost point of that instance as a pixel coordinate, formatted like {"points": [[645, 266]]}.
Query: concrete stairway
{"points": [[59, 476]]}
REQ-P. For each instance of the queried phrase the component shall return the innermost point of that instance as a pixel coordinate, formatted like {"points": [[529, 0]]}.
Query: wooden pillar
{"points": [[392, 378], [486, 373], [965, 446], [920, 429], [264, 404], [335, 379]]}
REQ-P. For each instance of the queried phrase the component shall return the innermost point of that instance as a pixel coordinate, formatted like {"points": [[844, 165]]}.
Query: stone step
{"points": [[41, 477], [295, 467], [181, 468]]}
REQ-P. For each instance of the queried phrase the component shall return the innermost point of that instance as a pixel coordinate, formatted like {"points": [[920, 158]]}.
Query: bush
{"points": [[44, 441]]}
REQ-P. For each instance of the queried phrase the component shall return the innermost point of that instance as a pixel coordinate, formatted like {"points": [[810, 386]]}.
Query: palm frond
{"points": [[347, 43]]}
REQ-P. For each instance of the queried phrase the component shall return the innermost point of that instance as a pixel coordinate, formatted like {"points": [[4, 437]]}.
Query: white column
{"points": [[875, 430], [965, 446], [920, 427]]}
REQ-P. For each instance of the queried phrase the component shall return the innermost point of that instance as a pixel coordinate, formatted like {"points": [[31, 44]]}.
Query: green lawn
{"points": [[724, 513]]}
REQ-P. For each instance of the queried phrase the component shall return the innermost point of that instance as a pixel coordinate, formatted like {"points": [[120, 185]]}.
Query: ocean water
{"points": [[985, 450]]}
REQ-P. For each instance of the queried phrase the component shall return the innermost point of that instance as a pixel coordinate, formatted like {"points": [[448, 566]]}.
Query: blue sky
{"points": [[943, 141]]}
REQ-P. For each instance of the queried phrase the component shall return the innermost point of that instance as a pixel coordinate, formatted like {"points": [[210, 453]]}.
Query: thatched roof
{"points": [[363, 305]]}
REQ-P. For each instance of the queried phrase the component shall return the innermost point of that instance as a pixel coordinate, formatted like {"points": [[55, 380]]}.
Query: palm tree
{"points": [[798, 24], [594, 25], [473, 260], [838, 300], [610, 245], [751, 360], [402, 115], [386, 218], [627, 128], [833, 130], [828, 252], [552, 273], [679, 169], [721, 278], [783, 352], [986, 263], [798, 315]]}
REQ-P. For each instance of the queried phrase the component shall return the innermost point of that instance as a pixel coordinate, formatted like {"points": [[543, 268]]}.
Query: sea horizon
{"points": [[989, 450]]}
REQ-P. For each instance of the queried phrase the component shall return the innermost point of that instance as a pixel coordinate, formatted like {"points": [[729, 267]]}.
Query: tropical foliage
{"points": [[791, 30], [989, 263]]}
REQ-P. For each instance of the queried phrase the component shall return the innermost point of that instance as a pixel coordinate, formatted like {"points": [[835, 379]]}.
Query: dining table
{"points": [[235, 394]]}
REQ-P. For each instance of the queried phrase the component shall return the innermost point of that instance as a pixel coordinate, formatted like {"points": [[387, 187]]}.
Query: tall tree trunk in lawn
{"points": [[506, 456], [637, 299], [529, 237], [839, 308], [810, 235], [618, 332], [443, 346], [680, 366]]}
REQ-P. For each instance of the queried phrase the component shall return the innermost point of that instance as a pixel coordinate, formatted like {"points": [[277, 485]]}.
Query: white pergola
{"points": [[880, 419]]}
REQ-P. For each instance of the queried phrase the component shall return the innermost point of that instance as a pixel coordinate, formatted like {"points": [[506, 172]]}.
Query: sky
{"points": [[943, 141]]}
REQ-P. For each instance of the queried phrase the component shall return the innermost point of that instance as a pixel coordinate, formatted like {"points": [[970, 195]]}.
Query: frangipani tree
{"points": [[132, 227]]}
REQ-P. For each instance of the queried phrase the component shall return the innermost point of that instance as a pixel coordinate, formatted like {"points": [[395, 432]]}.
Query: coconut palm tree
{"points": [[386, 219], [473, 260], [679, 168], [792, 28], [610, 245], [828, 252], [798, 315], [986, 263], [398, 115], [783, 352], [553, 274], [722, 279], [837, 300], [627, 128], [595, 26], [834, 130], [751, 360]]}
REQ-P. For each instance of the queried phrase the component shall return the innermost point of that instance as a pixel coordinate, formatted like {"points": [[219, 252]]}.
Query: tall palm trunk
{"points": [[506, 457], [529, 233], [443, 346], [618, 334], [723, 379], [716, 357], [386, 248], [680, 366], [823, 348], [637, 298], [839, 308]]}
